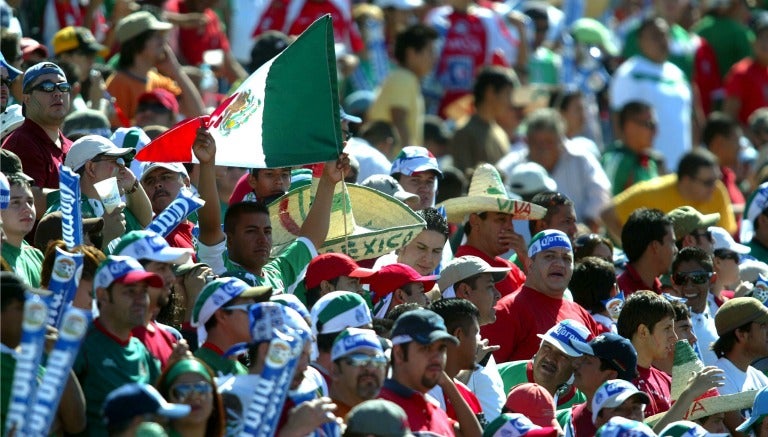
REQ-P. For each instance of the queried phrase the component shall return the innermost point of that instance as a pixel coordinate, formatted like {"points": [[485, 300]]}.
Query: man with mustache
{"points": [[162, 181], [359, 368]]}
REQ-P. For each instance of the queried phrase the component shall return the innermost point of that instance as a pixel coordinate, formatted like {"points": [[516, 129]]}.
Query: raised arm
{"points": [[315, 227], [209, 216]]}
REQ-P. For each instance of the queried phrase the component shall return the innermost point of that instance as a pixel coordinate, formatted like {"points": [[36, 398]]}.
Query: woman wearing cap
{"points": [[189, 381]]}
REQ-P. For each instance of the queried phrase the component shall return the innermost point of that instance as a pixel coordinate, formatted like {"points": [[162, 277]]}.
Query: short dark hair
{"points": [[468, 226], [718, 124], [551, 200], [647, 22], [18, 180], [562, 98], [401, 309], [643, 307], [456, 312], [643, 227], [681, 310], [435, 221], [235, 211], [378, 131], [325, 341], [470, 281], [692, 161], [129, 49], [416, 37], [12, 291], [632, 109], [724, 253], [695, 254], [494, 77], [313, 294], [725, 343], [591, 283]]}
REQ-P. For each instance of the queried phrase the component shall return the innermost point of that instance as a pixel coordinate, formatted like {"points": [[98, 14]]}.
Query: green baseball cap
{"points": [[151, 246]]}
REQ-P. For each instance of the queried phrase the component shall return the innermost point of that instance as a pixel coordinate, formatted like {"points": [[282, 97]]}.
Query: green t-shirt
{"points": [[624, 168], [26, 261], [54, 204], [282, 273], [518, 372], [682, 48], [220, 365], [731, 40], [104, 364], [758, 251]]}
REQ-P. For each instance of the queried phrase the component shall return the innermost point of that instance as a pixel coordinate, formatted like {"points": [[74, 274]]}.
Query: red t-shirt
{"points": [[39, 156], [181, 236], [656, 384], [422, 414], [159, 343], [469, 397], [241, 189], [344, 31], [512, 282], [748, 81], [630, 281], [729, 180], [581, 421], [706, 74], [522, 315], [196, 40]]}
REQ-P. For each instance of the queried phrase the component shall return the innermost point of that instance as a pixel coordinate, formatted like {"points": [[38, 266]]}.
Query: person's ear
{"points": [[642, 331], [474, 220], [399, 295], [101, 294], [397, 352], [89, 170], [462, 290], [252, 182], [458, 333], [336, 371], [713, 278], [326, 287]]}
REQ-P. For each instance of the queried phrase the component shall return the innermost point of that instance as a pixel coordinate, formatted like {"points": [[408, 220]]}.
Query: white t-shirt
{"points": [[737, 381], [487, 385], [706, 333]]}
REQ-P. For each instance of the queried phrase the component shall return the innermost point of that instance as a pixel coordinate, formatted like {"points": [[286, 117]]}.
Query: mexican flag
{"points": [[285, 114]]}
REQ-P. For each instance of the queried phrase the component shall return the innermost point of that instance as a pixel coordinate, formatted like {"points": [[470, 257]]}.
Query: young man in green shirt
{"points": [[18, 220], [110, 356]]}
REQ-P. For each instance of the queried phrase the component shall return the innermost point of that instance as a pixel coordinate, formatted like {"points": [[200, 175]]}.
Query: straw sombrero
{"points": [[712, 402], [487, 193], [365, 223]]}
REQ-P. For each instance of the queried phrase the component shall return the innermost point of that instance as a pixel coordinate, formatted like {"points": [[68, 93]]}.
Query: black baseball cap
{"points": [[615, 350], [422, 326]]}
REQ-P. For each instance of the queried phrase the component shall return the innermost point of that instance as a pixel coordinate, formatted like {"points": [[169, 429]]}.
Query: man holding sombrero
{"points": [[488, 212]]}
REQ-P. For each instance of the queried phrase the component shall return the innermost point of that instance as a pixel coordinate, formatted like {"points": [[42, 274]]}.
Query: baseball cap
{"points": [[534, 402], [291, 301], [615, 350], [161, 96], [40, 69], [737, 312], [329, 266], [358, 102], [123, 270], [378, 417], [613, 393], [135, 399], [464, 267], [183, 269], [589, 31], [403, 5], [548, 239], [31, 46], [353, 340], [621, 427], [149, 167], [759, 410], [414, 159], [339, 310], [137, 23], [530, 178], [150, 246], [686, 428], [349, 118], [393, 276], [86, 122], [389, 186], [723, 240], [91, 146], [5, 191], [75, 37], [565, 334], [422, 326], [216, 294], [516, 425], [13, 73], [687, 219], [10, 165]]}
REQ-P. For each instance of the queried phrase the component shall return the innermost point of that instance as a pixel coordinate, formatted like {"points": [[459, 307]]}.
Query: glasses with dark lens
{"points": [[183, 391], [697, 278], [586, 239], [49, 87], [362, 360], [117, 160]]}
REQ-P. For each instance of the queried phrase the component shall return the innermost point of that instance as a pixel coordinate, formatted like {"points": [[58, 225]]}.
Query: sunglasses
{"points": [[182, 392], [242, 307], [117, 160], [362, 360], [49, 87], [697, 278]]}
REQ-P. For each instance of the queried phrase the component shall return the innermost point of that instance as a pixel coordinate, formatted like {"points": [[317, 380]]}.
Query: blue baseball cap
{"points": [[40, 69], [615, 350], [621, 427], [422, 326], [12, 72], [353, 340], [759, 410]]}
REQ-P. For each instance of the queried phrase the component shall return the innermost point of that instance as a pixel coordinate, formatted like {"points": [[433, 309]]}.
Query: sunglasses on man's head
{"points": [[697, 278]]}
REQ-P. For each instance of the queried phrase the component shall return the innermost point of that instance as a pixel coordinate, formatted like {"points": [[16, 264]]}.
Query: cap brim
{"points": [[442, 335], [568, 350], [159, 25], [582, 347], [710, 219], [152, 279], [749, 423], [120, 152], [423, 168], [174, 255], [174, 411], [260, 291], [13, 73], [405, 196], [361, 272], [498, 273]]}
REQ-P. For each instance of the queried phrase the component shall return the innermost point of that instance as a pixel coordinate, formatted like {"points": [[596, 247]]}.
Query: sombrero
{"points": [[365, 223], [487, 193], [712, 402]]}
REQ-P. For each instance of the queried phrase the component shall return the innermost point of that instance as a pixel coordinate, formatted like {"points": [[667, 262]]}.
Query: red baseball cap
{"points": [[393, 276], [332, 265], [163, 97], [534, 402]]}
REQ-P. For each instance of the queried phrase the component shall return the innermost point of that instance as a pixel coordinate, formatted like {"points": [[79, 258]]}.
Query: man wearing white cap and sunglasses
{"points": [[97, 159]]}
